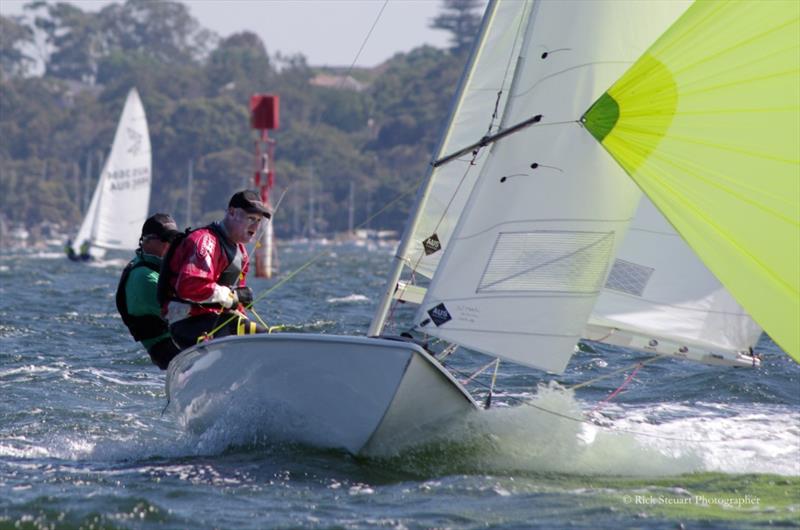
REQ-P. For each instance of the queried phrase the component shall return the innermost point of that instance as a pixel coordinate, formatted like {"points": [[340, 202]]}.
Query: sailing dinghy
{"points": [[120, 201], [519, 244]]}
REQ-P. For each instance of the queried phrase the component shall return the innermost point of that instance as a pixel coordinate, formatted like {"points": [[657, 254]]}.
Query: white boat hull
{"points": [[359, 394]]}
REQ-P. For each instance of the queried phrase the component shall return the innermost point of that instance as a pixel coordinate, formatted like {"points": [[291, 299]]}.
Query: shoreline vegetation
{"points": [[350, 140]]}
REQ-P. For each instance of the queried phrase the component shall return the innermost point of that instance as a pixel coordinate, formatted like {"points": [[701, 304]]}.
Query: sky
{"points": [[327, 32]]}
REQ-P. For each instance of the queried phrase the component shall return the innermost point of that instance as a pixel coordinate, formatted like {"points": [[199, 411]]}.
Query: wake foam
{"points": [[540, 436], [544, 436]]}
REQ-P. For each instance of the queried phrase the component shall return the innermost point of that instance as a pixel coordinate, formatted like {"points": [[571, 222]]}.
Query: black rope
{"points": [[364, 42]]}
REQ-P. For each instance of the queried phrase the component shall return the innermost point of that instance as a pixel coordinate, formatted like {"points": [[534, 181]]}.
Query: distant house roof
{"points": [[338, 81], [70, 89]]}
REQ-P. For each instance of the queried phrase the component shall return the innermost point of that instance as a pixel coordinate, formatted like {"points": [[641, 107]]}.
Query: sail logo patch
{"points": [[136, 142], [439, 315], [432, 244]]}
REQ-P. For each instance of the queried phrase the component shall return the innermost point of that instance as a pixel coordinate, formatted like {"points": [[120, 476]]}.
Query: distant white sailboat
{"points": [[122, 195], [519, 243]]}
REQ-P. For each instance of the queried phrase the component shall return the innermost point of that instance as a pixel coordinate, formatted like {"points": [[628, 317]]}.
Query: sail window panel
{"points": [[628, 277], [552, 261]]}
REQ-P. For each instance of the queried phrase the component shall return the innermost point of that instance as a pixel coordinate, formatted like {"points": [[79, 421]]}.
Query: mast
{"points": [[100, 185], [310, 224], [86, 184], [381, 312], [351, 206]]}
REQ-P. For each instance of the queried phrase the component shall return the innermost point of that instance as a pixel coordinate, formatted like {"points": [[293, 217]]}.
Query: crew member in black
{"points": [[137, 300]]}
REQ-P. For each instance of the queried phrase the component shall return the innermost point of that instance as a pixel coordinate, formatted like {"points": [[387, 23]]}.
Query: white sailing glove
{"points": [[224, 296]]}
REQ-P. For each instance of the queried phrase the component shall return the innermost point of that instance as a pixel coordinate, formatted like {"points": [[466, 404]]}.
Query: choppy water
{"points": [[83, 443]]}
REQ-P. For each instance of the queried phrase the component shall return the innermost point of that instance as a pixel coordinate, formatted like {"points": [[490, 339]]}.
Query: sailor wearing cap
{"points": [[203, 285], [137, 300]]}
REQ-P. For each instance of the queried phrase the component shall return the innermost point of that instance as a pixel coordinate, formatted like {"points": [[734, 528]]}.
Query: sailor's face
{"points": [[154, 245], [243, 225]]}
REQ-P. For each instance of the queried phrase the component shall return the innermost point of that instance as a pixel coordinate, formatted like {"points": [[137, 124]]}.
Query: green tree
{"points": [[221, 174], [202, 126], [30, 112], [119, 71], [164, 31], [55, 129], [292, 85], [75, 39], [239, 66], [462, 19], [14, 38], [344, 109], [412, 99]]}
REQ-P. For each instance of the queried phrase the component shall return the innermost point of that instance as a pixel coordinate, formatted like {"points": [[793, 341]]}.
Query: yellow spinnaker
{"points": [[707, 123]]}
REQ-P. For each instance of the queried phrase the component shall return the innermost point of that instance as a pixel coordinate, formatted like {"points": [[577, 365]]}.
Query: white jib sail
{"points": [[120, 201], [533, 246], [659, 289], [484, 92]]}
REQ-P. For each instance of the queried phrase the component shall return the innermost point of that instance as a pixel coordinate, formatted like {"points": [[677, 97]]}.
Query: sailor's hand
{"points": [[231, 300], [244, 295]]}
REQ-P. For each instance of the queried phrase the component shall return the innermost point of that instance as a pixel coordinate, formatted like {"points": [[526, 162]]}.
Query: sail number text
{"points": [[125, 179]]}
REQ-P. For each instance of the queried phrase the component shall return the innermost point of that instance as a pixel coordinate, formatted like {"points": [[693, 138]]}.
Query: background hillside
{"points": [[373, 130]]}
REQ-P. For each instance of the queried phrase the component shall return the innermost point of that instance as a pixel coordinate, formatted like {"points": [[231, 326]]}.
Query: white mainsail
{"points": [[533, 246], [483, 94], [659, 290], [122, 195]]}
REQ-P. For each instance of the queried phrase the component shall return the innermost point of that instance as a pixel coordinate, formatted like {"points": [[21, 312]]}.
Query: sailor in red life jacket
{"points": [[203, 276]]}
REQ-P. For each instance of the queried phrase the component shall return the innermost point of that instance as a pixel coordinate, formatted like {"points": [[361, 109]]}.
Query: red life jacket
{"points": [[195, 262]]}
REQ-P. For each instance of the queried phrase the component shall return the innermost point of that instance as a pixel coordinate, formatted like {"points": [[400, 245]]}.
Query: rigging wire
{"points": [[366, 38]]}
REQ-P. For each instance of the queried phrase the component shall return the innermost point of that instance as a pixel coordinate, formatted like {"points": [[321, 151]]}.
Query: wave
{"points": [[349, 299], [549, 433]]}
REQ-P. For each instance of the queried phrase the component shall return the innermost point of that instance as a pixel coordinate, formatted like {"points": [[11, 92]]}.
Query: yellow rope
{"points": [[252, 310]]}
